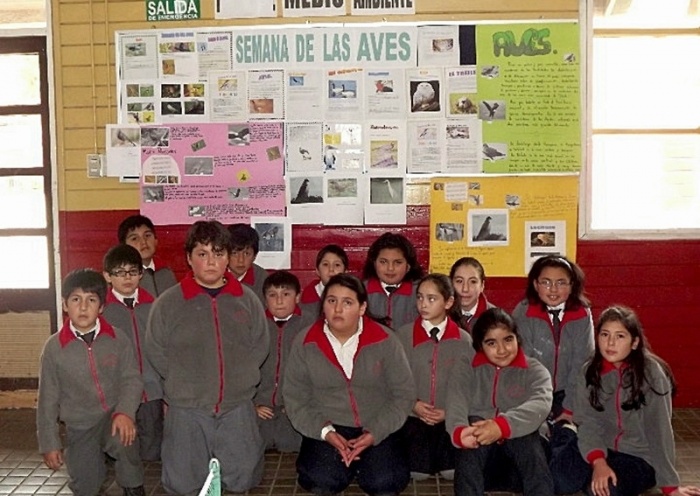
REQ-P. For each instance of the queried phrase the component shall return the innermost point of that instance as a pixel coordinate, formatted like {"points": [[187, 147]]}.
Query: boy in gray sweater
{"points": [[90, 381]]}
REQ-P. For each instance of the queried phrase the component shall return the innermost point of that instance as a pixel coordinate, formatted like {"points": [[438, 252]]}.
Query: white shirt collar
{"points": [[344, 352], [151, 266], [472, 310], [319, 288], [120, 297], [78, 333], [427, 326]]}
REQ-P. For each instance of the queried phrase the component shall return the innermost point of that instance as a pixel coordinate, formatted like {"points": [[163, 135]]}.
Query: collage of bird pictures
{"points": [[361, 109]]}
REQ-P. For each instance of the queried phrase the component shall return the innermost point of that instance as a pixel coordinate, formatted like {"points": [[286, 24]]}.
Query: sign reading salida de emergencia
{"points": [[172, 10]]}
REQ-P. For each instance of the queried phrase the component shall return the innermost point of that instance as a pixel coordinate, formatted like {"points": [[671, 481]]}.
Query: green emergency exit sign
{"points": [[172, 10]]}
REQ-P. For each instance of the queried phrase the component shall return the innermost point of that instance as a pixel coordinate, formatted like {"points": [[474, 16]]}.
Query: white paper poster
{"points": [[438, 46], [123, 150], [237, 9], [139, 57], [266, 94], [304, 94], [275, 234], [227, 95]]}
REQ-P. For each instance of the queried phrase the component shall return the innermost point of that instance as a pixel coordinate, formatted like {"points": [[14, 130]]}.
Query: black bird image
{"points": [[484, 231], [303, 193], [491, 153], [124, 139], [236, 193], [491, 108], [304, 153]]}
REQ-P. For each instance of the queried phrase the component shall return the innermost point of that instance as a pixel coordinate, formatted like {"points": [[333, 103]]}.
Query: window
{"points": [[644, 156], [26, 225]]}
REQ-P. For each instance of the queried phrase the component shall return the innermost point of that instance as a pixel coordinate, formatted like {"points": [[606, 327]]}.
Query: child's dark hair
{"points": [[133, 222], [468, 261], [282, 279], [493, 317], [577, 279], [120, 255], [89, 280], [208, 232], [335, 250], [244, 236], [347, 281], [442, 283], [393, 241], [635, 374]]}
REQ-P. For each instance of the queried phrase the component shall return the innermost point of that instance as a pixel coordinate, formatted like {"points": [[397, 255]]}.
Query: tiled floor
{"points": [[22, 471]]}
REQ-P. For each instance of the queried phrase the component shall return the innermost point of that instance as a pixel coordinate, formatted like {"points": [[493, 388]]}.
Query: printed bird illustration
{"points": [[335, 91], [570, 58], [484, 231], [329, 158], [424, 132], [303, 193], [236, 193], [489, 71], [124, 139], [491, 108], [424, 96], [296, 80], [393, 194], [465, 106], [382, 88], [492, 153], [270, 234], [304, 153], [238, 135], [172, 108]]}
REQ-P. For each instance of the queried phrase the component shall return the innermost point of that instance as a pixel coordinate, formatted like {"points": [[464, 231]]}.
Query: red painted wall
{"points": [[659, 279]]}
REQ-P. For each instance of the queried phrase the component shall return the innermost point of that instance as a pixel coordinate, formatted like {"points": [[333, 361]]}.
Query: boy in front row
{"points": [[138, 231], [89, 380], [127, 307], [284, 322]]}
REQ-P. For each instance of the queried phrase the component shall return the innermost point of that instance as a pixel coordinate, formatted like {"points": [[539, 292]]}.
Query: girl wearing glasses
{"points": [[556, 326]]}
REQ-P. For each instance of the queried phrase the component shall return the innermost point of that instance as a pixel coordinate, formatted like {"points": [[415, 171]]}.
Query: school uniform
{"points": [[254, 278], [375, 397], [467, 320], [518, 398], [208, 350], [394, 309], [638, 444], [157, 278], [310, 301], [149, 416], [429, 446], [563, 359], [85, 387], [278, 432]]}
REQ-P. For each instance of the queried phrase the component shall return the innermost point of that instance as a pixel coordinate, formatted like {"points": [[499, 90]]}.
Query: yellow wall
{"points": [[85, 78]]}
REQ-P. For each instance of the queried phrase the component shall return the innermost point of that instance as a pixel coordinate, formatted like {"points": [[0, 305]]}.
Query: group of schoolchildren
{"points": [[147, 368]]}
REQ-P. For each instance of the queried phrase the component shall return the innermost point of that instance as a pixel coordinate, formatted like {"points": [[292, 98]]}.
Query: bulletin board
{"points": [[504, 221], [358, 111]]}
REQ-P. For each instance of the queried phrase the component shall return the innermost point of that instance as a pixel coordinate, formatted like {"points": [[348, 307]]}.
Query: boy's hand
{"points": [[603, 475], [487, 431], [124, 426], [358, 445], [264, 412], [468, 439], [53, 459], [340, 444]]}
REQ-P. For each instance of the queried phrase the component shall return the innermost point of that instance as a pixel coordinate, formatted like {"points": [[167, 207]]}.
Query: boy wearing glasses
{"points": [[127, 307]]}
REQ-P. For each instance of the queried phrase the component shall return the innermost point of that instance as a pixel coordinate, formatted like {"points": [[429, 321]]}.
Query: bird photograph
{"points": [[271, 236], [194, 107], [238, 135], [464, 105], [445, 231], [199, 166], [495, 110], [170, 108], [335, 89], [308, 190], [342, 188], [384, 86], [539, 238], [489, 227], [492, 152], [155, 136], [490, 71], [425, 96], [305, 155], [329, 157], [386, 190], [125, 137], [153, 194]]}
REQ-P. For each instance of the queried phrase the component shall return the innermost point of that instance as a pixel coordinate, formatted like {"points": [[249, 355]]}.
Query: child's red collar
{"points": [[297, 311], [606, 367], [309, 294], [66, 335], [143, 296], [191, 288], [520, 361]]}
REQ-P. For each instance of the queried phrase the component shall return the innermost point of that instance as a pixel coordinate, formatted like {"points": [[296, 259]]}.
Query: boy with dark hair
{"points": [[89, 380], [245, 244], [284, 321], [138, 231], [207, 339], [127, 307]]}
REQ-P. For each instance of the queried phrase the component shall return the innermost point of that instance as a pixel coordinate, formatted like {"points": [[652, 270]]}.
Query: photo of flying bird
{"points": [[491, 108], [484, 230], [492, 153], [490, 71]]}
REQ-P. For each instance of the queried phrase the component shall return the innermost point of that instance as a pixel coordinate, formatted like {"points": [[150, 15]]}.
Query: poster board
{"points": [[504, 221]]}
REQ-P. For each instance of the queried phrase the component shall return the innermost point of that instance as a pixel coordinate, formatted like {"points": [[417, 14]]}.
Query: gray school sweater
{"points": [[207, 350], [378, 397], [157, 282], [400, 307], [517, 397], [133, 322], [254, 279], [79, 384], [269, 390], [432, 362], [645, 433], [575, 346]]}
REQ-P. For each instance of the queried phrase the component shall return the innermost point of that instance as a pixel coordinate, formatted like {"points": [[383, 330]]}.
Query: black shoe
{"points": [[134, 491]]}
